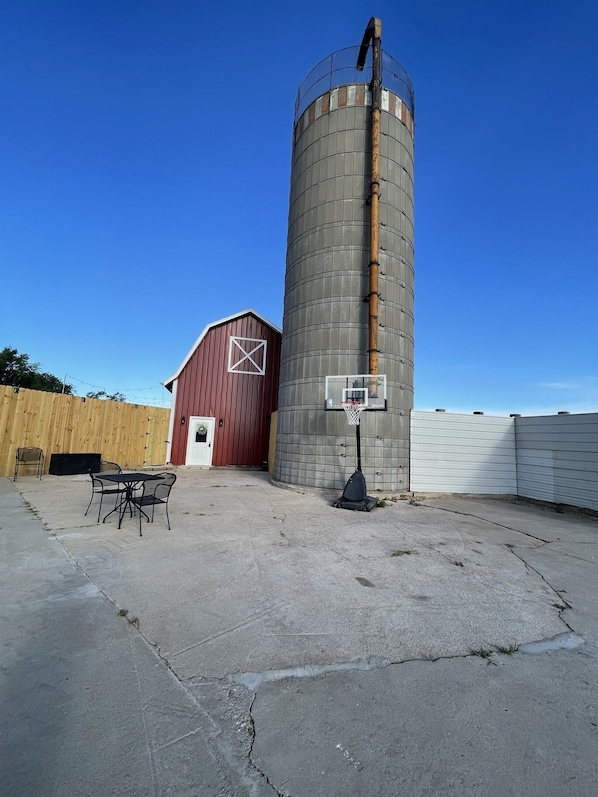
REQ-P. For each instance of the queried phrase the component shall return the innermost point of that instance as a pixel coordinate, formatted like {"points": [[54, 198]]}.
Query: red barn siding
{"points": [[244, 401]]}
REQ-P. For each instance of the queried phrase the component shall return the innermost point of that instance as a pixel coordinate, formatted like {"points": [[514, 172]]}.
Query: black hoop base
{"points": [[355, 495]]}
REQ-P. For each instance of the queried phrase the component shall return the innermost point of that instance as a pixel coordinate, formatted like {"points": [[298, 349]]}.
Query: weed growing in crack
{"points": [[459, 564], [134, 621], [404, 552], [560, 606], [31, 508], [487, 653], [413, 502], [483, 653], [507, 650], [381, 503]]}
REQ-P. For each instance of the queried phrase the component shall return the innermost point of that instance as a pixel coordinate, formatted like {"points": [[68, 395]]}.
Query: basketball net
{"points": [[353, 409]]}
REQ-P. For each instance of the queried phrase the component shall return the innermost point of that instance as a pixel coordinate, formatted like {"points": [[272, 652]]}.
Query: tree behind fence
{"points": [[133, 435]]}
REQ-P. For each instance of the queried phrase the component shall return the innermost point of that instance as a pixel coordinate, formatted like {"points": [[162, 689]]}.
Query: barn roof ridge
{"points": [[250, 311]]}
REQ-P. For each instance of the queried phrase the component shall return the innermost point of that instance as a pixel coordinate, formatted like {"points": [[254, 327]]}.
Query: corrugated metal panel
{"points": [[535, 474], [557, 459], [325, 320], [462, 453], [243, 401], [206, 329]]}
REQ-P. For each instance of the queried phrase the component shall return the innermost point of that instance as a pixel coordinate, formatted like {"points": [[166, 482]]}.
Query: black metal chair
{"points": [[110, 467], [102, 487], [29, 456], [155, 491]]}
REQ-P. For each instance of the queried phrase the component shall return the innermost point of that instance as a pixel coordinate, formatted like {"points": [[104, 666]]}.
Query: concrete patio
{"points": [[271, 644]]}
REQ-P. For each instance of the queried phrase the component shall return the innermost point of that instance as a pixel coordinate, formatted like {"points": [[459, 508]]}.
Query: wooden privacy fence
{"points": [[134, 435]]}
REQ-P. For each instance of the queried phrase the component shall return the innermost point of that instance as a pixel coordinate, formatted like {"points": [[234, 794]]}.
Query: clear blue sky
{"points": [[145, 161]]}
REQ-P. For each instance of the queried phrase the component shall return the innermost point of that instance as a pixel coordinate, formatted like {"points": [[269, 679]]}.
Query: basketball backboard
{"points": [[369, 389]]}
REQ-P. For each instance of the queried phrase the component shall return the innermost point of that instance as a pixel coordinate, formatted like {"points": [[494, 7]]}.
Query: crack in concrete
{"points": [[544, 580], [217, 746], [571, 555], [143, 713], [103, 592], [253, 680], [492, 522], [521, 558], [567, 641], [250, 752]]}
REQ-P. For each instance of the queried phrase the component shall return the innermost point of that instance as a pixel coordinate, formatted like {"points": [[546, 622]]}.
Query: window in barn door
{"points": [[246, 355], [201, 433]]}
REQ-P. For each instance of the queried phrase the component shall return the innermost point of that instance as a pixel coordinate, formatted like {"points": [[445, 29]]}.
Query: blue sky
{"points": [[145, 159]]}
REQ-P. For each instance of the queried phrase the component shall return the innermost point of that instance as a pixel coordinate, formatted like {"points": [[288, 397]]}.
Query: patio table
{"points": [[130, 481]]}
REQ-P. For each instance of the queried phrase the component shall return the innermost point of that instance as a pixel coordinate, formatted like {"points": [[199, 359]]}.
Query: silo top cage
{"points": [[339, 69]]}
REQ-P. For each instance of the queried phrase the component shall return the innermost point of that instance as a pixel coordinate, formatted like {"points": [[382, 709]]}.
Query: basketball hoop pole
{"points": [[358, 444], [353, 409], [355, 493]]}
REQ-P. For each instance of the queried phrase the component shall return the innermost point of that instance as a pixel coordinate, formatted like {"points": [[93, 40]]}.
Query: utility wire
{"points": [[163, 401]]}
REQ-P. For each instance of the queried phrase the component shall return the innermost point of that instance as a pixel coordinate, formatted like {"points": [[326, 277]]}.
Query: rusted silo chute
{"points": [[372, 35]]}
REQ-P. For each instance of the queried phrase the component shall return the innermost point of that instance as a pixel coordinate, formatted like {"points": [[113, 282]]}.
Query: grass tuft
{"points": [[130, 620], [507, 651], [483, 653]]}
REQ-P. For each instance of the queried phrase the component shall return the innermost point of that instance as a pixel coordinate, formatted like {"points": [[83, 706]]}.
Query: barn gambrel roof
{"points": [[168, 382]]}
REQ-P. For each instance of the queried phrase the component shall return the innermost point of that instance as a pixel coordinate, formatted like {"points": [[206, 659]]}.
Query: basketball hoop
{"points": [[353, 410]]}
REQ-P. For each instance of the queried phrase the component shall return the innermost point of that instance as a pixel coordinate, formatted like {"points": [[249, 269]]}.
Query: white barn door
{"points": [[200, 439]]}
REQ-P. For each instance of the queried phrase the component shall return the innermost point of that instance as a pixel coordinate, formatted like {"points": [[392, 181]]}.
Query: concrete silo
{"points": [[328, 320]]}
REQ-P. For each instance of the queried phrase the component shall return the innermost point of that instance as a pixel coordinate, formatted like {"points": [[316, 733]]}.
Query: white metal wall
{"points": [[557, 459], [453, 453]]}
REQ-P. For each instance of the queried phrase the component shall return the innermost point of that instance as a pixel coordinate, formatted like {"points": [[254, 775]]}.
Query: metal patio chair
{"points": [[28, 457], [101, 487], [110, 467], [155, 491]]}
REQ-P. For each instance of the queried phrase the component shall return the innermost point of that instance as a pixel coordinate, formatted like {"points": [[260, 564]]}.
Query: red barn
{"points": [[224, 393]]}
